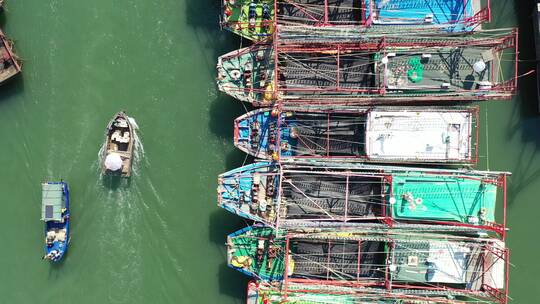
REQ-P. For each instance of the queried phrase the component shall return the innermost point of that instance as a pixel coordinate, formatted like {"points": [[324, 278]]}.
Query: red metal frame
{"points": [[372, 95], [320, 289], [501, 296], [387, 218], [474, 111]]}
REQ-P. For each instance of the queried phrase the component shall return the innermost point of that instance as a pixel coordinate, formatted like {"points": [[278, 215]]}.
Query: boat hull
{"points": [[57, 235]]}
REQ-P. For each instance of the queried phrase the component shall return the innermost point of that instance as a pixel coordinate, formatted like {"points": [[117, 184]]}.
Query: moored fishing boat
{"points": [[389, 70], [318, 194], [117, 155], [350, 19], [55, 214], [260, 292], [9, 62], [384, 259], [369, 134], [250, 19]]}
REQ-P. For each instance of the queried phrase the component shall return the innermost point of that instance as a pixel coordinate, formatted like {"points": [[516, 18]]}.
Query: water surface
{"points": [[160, 238]]}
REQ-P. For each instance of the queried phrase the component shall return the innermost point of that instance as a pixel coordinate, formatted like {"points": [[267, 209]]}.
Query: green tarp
{"points": [[443, 198]]}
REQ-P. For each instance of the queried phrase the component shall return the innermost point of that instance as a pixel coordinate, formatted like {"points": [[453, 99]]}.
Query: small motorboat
{"points": [[117, 155], [55, 214]]}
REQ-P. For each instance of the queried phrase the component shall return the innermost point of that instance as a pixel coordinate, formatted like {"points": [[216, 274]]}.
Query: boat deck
{"points": [[403, 134], [289, 196], [341, 260], [309, 73], [246, 74], [313, 12], [326, 197], [257, 134], [446, 69], [251, 192], [439, 263], [464, 200], [444, 136], [322, 134], [382, 257], [246, 18], [414, 12], [248, 253]]}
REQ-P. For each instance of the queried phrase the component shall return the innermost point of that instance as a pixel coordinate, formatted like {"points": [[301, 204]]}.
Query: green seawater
{"points": [[160, 238]]}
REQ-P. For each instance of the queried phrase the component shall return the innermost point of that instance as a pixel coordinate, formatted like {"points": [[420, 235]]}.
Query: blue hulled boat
{"points": [[55, 214]]}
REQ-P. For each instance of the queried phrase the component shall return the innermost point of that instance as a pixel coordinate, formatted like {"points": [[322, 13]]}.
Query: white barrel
{"points": [[113, 162]]}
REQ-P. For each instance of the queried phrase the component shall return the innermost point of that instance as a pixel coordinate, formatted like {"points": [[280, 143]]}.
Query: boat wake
{"points": [[138, 150], [120, 242]]}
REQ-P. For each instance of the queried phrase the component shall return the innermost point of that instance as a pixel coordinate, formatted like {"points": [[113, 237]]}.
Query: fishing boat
{"points": [[9, 62], [350, 19], [117, 156], [319, 194], [260, 292], [385, 259], [389, 70], [55, 214], [366, 134], [250, 19]]}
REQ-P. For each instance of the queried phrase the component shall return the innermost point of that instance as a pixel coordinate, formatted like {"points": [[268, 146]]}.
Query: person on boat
{"points": [[266, 16], [49, 240], [260, 251], [252, 14], [65, 215], [50, 256], [266, 11]]}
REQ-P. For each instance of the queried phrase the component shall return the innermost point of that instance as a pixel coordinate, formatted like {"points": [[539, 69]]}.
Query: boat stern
{"points": [[255, 133], [247, 74], [248, 19], [251, 192], [256, 252]]}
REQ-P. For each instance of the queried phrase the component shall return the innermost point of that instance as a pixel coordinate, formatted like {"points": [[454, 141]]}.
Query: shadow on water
{"points": [[203, 16], [12, 87], [525, 118], [223, 223], [3, 17], [237, 158], [223, 111], [232, 283]]}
